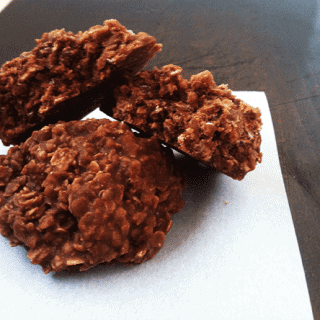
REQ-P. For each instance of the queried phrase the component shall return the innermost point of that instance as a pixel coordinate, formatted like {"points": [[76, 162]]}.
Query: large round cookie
{"points": [[81, 193]]}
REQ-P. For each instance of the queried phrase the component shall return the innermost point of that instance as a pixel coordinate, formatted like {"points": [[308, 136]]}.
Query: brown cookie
{"points": [[81, 193], [196, 117], [41, 86]]}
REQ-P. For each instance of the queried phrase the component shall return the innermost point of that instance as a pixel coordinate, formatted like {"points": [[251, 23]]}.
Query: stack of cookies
{"points": [[79, 193]]}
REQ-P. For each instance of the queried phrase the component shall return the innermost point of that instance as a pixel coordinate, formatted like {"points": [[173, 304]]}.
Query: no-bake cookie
{"points": [[81, 193], [197, 117], [36, 88]]}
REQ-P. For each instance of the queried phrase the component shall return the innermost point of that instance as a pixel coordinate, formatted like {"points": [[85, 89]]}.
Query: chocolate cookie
{"points": [[81, 193], [196, 117], [40, 86]]}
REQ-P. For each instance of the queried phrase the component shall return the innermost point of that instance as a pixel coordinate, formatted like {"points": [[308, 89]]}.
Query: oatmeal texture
{"points": [[196, 117], [81, 193], [37, 85]]}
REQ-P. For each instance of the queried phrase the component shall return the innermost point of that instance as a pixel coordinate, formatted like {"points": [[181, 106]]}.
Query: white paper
{"points": [[4, 3], [232, 253]]}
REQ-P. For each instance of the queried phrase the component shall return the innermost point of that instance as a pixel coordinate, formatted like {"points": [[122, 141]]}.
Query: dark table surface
{"points": [[270, 46]]}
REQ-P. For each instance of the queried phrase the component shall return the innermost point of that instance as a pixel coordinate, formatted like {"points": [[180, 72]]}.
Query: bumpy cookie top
{"points": [[85, 192], [197, 117], [62, 66]]}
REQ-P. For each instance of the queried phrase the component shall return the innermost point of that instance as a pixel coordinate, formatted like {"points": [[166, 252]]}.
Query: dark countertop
{"points": [[253, 45]]}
